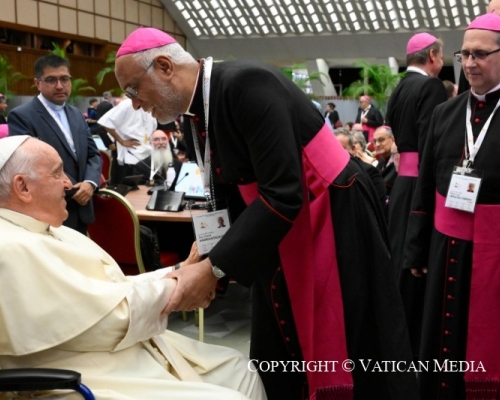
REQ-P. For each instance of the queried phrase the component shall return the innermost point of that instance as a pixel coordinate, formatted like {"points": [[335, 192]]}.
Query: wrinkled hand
{"points": [[84, 193], [419, 273], [195, 287]]}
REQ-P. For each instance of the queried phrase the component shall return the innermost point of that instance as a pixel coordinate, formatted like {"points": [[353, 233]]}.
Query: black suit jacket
{"points": [[33, 119], [373, 116]]}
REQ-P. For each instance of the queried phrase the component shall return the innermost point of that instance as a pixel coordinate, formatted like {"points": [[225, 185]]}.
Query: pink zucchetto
{"points": [[419, 42], [487, 22], [144, 39]]}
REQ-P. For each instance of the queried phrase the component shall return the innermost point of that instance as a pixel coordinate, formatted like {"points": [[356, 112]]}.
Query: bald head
{"points": [[494, 7]]}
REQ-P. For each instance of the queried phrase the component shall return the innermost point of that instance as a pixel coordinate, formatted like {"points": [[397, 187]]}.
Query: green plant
{"points": [[303, 83], [77, 84], [377, 81], [8, 77], [110, 68]]}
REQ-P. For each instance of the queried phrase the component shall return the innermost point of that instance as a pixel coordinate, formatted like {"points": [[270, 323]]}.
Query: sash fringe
{"points": [[482, 390], [338, 392]]}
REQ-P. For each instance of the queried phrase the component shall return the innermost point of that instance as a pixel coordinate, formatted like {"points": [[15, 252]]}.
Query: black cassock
{"points": [[445, 317], [408, 114], [259, 122]]}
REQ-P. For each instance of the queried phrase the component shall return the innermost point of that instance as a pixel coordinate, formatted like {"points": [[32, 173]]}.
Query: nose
{"points": [[67, 183], [136, 103]]}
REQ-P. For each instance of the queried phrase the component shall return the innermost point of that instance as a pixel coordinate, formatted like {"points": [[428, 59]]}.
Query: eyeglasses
{"points": [[52, 80], [379, 140], [159, 139], [464, 55], [131, 91]]}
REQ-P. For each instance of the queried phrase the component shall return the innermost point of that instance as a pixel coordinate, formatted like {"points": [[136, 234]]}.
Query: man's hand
{"points": [[419, 272], [195, 287], [84, 193], [130, 143]]}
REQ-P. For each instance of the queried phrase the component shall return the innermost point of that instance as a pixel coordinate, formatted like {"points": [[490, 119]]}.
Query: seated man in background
{"points": [[154, 167], [68, 305]]}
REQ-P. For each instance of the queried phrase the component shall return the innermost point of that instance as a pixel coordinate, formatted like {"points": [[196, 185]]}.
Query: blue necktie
{"points": [[67, 130]]}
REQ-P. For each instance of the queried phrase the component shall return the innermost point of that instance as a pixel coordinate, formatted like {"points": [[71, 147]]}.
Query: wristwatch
{"points": [[217, 272]]}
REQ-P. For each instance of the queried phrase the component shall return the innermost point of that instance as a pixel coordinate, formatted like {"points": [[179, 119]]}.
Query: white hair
{"points": [[22, 162], [173, 51]]}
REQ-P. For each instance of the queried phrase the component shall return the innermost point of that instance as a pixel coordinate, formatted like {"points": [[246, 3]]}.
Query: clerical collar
{"points": [[52, 106], [24, 221], [417, 70], [482, 97], [188, 111]]}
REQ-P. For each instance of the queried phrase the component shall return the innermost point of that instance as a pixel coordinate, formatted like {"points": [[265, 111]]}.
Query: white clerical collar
{"points": [[194, 92], [417, 70], [24, 221], [482, 97], [49, 104]]}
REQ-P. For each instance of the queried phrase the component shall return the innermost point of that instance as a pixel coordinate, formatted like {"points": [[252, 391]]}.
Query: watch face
{"points": [[217, 272]]}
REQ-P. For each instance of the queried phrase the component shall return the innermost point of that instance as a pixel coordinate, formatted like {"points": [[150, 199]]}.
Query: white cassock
{"points": [[65, 303]]}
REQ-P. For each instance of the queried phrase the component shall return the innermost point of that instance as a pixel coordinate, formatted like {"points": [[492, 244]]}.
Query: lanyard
{"points": [[365, 112], [153, 171], [472, 148], [205, 163]]}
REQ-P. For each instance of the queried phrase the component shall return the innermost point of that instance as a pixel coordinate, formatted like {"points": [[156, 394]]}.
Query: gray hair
{"points": [[22, 162], [343, 132], [420, 57], [174, 51], [360, 138], [107, 95]]}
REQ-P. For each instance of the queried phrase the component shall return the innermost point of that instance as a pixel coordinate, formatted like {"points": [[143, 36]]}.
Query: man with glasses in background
{"points": [[453, 235], [383, 139], [49, 118]]}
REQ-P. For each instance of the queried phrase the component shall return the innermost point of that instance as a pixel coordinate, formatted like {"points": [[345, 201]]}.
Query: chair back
{"points": [[117, 230], [106, 164]]}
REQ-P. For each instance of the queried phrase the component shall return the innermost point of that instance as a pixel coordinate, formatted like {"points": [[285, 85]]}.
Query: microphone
{"points": [[148, 166], [180, 180]]}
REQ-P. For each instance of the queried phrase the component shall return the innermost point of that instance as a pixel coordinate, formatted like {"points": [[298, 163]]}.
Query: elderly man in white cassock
{"points": [[66, 304]]}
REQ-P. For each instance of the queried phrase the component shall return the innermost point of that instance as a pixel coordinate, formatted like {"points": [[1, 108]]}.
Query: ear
{"points": [[166, 66], [20, 189]]}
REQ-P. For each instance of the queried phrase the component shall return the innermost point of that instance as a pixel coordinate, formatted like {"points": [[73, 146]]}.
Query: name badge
{"points": [[209, 229], [463, 189]]}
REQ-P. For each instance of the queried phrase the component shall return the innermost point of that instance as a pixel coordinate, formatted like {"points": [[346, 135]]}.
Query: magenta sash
{"points": [[483, 335], [408, 164], [311, 270]]}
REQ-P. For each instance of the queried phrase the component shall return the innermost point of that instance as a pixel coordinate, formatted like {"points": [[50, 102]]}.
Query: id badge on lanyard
{"points": [[211, 226], [464, 188], [466, 181]]}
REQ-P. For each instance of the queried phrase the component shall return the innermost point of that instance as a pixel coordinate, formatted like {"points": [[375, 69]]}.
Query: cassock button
{"points": [[480, 105], [282, 322], [444, 385], [447, 333], [445, 350], [218, 170], [477, 120], [211, 152], [453, 242], [196, 118], [448, 315], [450, 297], [276, 305], [205, 134], [453, 261], [451, 279], [273, 287], [287, 339]]}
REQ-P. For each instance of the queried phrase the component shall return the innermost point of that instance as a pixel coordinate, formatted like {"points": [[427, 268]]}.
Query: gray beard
{"points": [[162, 158]]}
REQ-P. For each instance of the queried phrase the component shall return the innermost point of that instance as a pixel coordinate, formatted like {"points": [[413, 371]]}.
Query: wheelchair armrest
{"points": [[25, 379]]}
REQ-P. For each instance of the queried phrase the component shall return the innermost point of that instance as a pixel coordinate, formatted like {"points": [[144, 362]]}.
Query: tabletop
{"points": [[139, 199]]}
